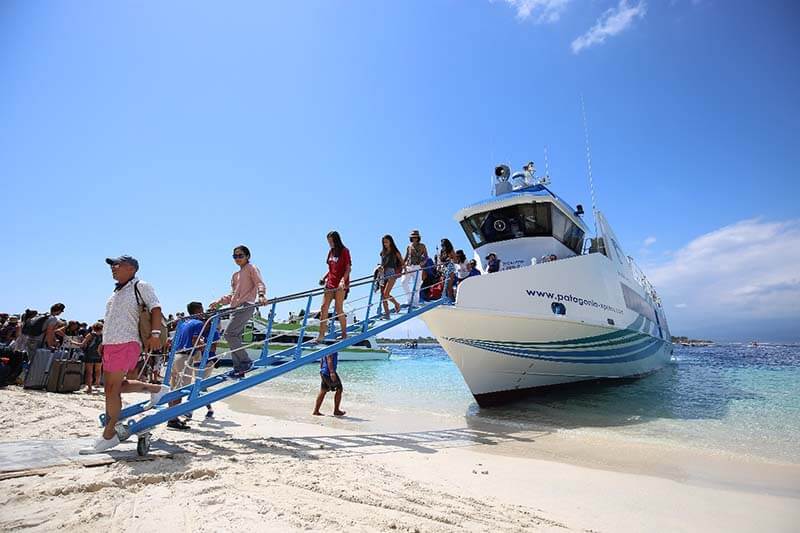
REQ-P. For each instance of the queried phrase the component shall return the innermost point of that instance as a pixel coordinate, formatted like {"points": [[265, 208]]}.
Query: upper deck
{"points": [[530, 211]]}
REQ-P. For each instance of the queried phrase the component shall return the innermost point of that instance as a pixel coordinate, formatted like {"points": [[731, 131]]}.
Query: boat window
{"points": [[634, 302], [526, 220], [472, 227], [567, 231]]}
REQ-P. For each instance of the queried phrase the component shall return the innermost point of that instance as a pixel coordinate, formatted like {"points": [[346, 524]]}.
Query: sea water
{"points": [[727, 397]]}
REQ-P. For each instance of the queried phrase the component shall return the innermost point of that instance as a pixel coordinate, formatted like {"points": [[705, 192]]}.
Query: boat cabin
{"points": [[523, 223]]}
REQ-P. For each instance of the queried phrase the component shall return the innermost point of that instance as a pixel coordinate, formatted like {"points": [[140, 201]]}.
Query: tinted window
{"points": [[566, 231], [528, 220]]}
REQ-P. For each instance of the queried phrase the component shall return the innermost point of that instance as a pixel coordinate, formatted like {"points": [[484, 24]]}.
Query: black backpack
{"points": [[34, 327]]}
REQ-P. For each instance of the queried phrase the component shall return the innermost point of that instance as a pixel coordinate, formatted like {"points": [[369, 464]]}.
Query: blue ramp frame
{"points": [[221, 386]]}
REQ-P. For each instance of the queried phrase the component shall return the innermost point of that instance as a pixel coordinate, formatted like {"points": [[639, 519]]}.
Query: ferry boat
{"points": [[537, 323]]}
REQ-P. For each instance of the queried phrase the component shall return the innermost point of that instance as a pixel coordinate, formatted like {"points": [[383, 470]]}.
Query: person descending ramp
{"points": [[139, 419]]}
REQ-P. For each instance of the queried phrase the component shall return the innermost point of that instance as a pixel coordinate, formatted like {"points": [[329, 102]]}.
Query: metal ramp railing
{"points": [[204, 391]]}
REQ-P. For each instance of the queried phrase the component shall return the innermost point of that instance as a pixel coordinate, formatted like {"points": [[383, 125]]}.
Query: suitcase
{"points": [[65, 376], [66, 372], [39, 366]]}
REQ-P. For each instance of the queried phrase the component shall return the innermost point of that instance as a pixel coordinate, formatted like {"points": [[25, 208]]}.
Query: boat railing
{"points": [[642, 280], [199, 388]]}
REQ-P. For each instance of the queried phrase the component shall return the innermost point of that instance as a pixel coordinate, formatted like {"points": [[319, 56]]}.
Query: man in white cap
{"points": [[122, 343]]}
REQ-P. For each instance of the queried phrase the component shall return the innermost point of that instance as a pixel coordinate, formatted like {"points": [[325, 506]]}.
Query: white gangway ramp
{"points": [[139, 419]]}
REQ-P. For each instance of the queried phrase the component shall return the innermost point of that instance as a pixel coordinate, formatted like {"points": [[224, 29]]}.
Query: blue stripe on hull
{"points": [[574, 352], [635, 352], [633, 328]]}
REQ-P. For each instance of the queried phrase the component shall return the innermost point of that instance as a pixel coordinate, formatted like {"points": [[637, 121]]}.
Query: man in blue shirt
{"points": [[189, 342], [330, 382]]}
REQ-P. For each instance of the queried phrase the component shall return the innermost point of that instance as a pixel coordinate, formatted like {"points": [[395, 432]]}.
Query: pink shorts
{"points": [[121, 357]]}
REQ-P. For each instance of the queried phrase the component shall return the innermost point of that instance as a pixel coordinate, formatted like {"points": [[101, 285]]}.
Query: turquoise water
{"points": [[726, 397]]}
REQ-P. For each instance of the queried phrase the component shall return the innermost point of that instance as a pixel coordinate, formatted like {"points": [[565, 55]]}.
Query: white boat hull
{"points": [[506, 340]]}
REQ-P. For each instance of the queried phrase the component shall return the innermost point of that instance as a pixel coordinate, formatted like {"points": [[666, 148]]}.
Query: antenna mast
{"points": [[546, 164], [589, 163]]}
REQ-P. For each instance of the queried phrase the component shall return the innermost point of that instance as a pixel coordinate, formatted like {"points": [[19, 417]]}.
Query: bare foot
{"points": [[339, 413], [316, 413], [317, 340], [397, 308]]}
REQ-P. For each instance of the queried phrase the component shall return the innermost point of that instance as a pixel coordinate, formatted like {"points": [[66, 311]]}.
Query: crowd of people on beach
{"points": [[118, 348]]}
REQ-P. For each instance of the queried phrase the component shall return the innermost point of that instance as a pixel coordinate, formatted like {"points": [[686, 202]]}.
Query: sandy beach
{"points": [[247, 469]]}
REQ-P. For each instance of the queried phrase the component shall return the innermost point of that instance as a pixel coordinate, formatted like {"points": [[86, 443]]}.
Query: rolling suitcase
{"points": [[66, 372], [38, 369]]}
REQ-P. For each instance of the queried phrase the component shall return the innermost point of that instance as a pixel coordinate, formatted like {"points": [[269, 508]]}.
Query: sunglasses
{"points": [[239, 256]]}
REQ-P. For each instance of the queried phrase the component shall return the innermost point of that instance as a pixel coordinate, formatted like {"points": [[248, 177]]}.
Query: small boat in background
{"points": [[286, 334]]}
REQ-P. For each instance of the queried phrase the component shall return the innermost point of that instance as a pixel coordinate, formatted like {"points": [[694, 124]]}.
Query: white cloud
{"points": [[649, 241], [610, 23], [542, 10], [746, 271]]}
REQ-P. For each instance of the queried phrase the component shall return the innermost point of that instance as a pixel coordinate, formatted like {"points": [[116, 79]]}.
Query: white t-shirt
{"points": [[463, 271], [121, 323]]}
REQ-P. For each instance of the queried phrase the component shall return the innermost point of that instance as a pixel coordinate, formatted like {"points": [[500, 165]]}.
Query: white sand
{"points": [[249, 471]]}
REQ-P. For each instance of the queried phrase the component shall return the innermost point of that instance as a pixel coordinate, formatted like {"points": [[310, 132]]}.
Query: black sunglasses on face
{"points": [[239, 256]]}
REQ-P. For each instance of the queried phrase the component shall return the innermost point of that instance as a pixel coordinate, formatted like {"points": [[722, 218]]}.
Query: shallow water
{"points": [[727, 398]]}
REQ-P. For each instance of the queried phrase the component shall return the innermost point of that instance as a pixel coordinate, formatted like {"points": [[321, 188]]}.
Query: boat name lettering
{"points": [[572, 299]]}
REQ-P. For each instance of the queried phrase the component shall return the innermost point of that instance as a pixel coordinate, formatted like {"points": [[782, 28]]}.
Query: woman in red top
{"points": [[337, 282]]}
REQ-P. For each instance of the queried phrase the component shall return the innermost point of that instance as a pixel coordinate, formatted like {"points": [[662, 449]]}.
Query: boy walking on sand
{"points": [[330, 382]]}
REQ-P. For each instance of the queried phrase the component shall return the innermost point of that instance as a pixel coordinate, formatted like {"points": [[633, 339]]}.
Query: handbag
{"points": [[145, 327]]}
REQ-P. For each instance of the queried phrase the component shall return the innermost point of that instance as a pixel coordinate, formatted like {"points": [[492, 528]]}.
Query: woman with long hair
{"points": [[391, 268], [447, 265], [247, 289], [336, 282]]}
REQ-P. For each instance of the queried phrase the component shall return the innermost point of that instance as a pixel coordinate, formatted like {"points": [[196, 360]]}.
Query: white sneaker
{"points": [[155, 397], [100, 445]]}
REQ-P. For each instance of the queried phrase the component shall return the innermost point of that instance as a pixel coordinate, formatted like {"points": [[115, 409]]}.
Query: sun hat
{"points": [[415, 233]]}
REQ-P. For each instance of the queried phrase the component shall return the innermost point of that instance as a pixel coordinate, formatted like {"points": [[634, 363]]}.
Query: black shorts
{"points": [[331, 385]]}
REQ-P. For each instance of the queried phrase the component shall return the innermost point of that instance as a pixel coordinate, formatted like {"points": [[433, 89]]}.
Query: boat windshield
{"points": [[540, 219]]}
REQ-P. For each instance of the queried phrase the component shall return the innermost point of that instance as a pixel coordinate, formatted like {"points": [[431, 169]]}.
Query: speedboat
{"points": [[286, 334], [562, 309]]}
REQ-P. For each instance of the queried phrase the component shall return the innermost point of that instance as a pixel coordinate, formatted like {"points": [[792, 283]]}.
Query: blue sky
{"points": [[173, 131]]}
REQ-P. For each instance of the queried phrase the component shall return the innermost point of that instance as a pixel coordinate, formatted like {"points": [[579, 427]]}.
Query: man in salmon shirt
{"points": [[121, 344]]}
